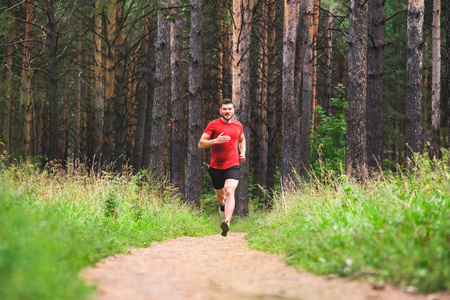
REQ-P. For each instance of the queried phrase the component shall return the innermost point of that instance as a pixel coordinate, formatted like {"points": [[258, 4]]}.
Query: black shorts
{"points": [[219, 176]]}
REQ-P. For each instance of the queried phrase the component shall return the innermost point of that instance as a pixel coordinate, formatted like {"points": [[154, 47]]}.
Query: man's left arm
{"points": [[241, 144]]}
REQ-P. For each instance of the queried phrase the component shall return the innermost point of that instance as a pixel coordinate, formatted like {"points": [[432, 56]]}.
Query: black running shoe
{"points": [[225, 227]]}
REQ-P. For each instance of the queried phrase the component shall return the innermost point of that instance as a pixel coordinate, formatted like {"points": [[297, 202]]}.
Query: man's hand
{"points": [[221, 139], [242, 158]]}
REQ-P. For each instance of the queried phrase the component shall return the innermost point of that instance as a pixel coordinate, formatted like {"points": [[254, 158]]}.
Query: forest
{"points": [[121, 85]]}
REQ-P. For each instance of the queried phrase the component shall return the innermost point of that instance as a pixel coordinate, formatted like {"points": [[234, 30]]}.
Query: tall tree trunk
{"points": [[448, 63], [242, 12], [194, 171], [177, 144], [260, 107], [356, 148], [329, 62], [131, 105], [76, 147], [307, 99], [414, 69], [436, 78], [158, 142], [271, 102], [25, 93], [52, 86], [141, 152], [108, 122], [315, 102], [375, 85], [7, 128], [290, 155], [120, 103], [98, 103]]}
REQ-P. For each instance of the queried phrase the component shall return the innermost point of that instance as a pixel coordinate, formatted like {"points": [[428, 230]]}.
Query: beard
{"points": [[227, 116]]}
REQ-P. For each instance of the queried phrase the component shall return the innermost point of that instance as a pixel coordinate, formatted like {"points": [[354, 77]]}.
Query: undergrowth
{"points": [[54, 224], [395, 228]]}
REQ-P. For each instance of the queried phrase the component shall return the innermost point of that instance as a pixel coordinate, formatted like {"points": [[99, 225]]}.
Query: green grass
{"points": [[53, 226], [397, 227]]}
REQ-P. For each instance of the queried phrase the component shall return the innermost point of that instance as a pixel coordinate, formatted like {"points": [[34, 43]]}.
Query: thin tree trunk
{"points": [[436, 78], [260, 108], [108, 122], [241, 98], [356, 148], [308, 87], [7, 128], [51, 45], [76, 151], [158, 142], [448, 64], [375, 85], [98, 103], [315, 101], [25, 93], [290, 155], [141, 152], [329, 63], [414, 69], [271, 103], [131, 108], [194, 158], [177, 145], [120, 102]]}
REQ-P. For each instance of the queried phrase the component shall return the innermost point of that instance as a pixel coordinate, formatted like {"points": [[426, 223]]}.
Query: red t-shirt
{"points": [[224, 156]]}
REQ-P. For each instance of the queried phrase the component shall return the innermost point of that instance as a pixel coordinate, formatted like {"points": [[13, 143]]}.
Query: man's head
{"points": [[226, 110]]}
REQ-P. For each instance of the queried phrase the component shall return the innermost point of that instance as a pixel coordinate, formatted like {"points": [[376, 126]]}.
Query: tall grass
{"points": [[53, 224], [396, 228]]}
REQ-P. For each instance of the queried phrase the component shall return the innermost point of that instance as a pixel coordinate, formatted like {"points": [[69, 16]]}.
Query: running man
{"points": [[224, 136]]}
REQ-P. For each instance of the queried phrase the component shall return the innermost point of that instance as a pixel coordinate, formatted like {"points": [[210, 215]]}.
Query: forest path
{"points": [[215, 267]]}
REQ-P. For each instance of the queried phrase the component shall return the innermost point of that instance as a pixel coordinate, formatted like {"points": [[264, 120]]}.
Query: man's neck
{"points": [[225, 120]]}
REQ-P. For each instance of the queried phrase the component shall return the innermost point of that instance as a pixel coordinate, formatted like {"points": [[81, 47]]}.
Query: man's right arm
{"points": [[206, 143]]}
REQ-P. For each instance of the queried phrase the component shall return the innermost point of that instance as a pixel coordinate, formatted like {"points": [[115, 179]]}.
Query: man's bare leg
{"points": [[220, 195], [230, 188]]}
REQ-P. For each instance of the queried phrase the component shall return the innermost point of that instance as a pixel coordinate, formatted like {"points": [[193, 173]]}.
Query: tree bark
{"points": [[7, 128], [307, 99], [158, 142], [25, 93], [141, 152], [242, 12], [290, 153], [178, 121], [414, 69], [356, 148], [120, 103], [375, 85], [271, 103], [108, 122], [76, 147], [448, 63], [329, 63], [98, 103], [315, 101], [52, 85], [436, 78], [194, 157]]}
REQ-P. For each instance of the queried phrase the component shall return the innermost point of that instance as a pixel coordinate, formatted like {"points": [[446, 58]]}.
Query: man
{"points": [[224, 136]]}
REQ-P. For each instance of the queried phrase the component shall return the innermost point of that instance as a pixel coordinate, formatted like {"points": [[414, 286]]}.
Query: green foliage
{"points": [[395, 227], [327, 144], [57, 223]]}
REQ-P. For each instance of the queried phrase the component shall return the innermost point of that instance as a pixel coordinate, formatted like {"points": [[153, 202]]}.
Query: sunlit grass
{"points": [[53, 224], [396, 227]]}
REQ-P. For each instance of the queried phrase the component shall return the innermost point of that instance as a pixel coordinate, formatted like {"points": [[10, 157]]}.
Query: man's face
{"points": [[227, 111]]}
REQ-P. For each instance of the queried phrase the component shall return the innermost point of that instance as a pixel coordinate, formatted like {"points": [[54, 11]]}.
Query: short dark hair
{"points": [[226, 101]]}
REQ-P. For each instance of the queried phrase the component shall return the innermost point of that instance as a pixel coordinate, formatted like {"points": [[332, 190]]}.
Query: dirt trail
{"points": [[215, 267]]}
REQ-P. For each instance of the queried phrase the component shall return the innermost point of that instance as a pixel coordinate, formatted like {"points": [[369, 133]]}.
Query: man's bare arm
{"points": [[241, 145], [205, 141]]}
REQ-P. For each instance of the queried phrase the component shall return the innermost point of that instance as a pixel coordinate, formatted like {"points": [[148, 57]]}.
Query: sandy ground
{"points": [[215, 267]]}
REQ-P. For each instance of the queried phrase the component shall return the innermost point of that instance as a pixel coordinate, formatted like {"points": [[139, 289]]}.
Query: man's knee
{"points": [[229, 190]]}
